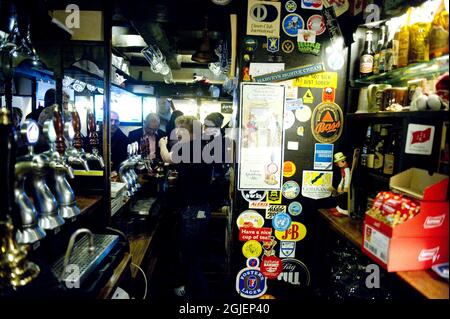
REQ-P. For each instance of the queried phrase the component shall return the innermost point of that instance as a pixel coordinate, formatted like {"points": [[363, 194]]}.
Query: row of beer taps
{"points": [[127, 173], [43, 176]]}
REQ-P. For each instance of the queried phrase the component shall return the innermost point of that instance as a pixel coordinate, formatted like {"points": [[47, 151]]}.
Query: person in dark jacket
{"points": [[119, 143], [150, 133]]}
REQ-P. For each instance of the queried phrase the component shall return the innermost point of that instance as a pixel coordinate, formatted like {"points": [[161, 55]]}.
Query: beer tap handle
{"points": [[59, 128], [93, 136], [77, 140]]}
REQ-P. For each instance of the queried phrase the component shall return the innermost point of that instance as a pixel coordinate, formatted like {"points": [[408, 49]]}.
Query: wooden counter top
{"points": [[427, 282], [88, 203], [112, 283], [138, 249]]}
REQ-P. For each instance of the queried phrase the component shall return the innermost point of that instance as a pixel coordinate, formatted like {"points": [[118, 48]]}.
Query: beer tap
{"points": [[64, 194], [124, 171], [75, 154], [93, 141], [72, 156], [29, 232]]}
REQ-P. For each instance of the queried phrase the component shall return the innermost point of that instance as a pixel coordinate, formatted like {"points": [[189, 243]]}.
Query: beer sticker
{"points": [[291, 189], [323, 156], [327, 122], [258, 205], [253, 195], [250, 218], [419, 139], [272, 210], [251, 283], [295, 273], [317, 184], [289, 169], [252, 248], [287, 249], [295, 232], [271, 266], [328, 94], [273, 197]]}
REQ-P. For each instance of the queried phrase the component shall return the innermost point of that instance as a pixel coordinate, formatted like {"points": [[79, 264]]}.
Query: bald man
{"points": [[151, 134]]}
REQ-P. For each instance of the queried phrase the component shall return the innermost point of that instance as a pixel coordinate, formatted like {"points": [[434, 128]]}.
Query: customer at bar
{"points": [[150, 133], [170, 128], [119, 143], [194, 179]]}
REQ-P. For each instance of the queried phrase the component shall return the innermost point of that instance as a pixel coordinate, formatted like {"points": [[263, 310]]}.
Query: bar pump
{"points": [[29, 232], [64, 194], [72, 155], [124, 171], [94, 156]]}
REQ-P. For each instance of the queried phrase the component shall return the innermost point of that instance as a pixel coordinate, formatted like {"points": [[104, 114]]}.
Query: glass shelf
{"points": [[426, 69]]}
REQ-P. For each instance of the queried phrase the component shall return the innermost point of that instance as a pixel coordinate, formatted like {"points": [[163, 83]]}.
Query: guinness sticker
{"points": [[289, 169], [253, 195], [327, 122], [295, 273], [287, 46]]}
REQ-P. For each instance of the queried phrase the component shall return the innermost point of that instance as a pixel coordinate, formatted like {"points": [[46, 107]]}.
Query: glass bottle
{"points": [[366, 57], [376, 57]]}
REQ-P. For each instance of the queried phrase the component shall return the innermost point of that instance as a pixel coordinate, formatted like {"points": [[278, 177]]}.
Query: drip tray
{"points": [[82, 262]]}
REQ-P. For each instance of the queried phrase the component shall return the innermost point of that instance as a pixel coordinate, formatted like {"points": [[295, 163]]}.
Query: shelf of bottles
{"points": [[428, 69]]}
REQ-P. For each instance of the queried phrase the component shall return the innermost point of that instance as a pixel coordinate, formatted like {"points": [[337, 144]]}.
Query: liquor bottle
{"points": [[389, 157], [382, 58], [379, 151], [439, 32], [365, 147], [366, 57], [372, 146], [391, 59], [419, 35], [376, 57], [403, 44]]}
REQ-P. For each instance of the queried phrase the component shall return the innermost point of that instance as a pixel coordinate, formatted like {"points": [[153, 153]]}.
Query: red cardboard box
{"points": [[419, 242]]}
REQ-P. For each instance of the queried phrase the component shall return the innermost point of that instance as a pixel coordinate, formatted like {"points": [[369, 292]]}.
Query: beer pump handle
{"points": [[77, 140], [59, 128], [93, 136]]}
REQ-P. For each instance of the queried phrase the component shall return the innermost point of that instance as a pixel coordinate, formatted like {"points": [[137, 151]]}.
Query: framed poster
{"points": [[261, 136]]}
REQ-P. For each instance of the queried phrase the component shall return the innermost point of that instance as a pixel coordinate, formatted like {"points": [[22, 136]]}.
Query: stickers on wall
{"points": [[258, 205], [263, 18], [419, 139], [300, 131], [250, 44], [292, 23], [272, 210], [291, 90], [250, 218], [295, 273], [295, 208], [318, 80], [287, 46], [293, 105], [316, 24], [290, 74], [292, 146], [317, 184], [273, 197], [287, 249], [312, 4], [308, 97], [290, 6], [273, 44], [327, 122], [323, 156], [271, 266], [340, 7], [306, 36], [281, 221], [289, 169], [289, 119], [252, 248], [253, 195], [259, 234], [296, 232], [328, 95], [290, 189], [251, 283], [306, 42], [303, 113]]}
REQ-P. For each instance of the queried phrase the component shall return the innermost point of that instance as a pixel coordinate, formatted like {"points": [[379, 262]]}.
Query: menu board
{"points": [[261, 136]]}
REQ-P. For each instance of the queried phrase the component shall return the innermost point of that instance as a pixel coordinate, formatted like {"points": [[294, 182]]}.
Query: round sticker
{"points": [[250, 218], [271, 266], [290, 189], [289, 119], [253, 195], [289, 169], [290, 6], [303, 113], [287, 46], [295, 273], [295, 208], [250, 44], [281, 221], [252, 262], [252, 248], [316, 23], [292, 23], [327, 122], [296, 232], [251, 283]]}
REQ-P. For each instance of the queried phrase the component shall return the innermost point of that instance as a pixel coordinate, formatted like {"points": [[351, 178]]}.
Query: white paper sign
{"points": [[419, 139], [263, 18], [292, 146], [265, 68]]}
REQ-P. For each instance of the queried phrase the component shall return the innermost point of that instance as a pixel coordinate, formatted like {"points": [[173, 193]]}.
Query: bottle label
{"points": [[370, 160], [388, 168], [395, 50], [388, 60], [420, 45], [382, 61], [366, 64], [438, 42], [378, 160], [403, 48], [376, 63]]}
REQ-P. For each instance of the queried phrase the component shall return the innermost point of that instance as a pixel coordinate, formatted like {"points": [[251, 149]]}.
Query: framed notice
{"points": [[261, 136]]}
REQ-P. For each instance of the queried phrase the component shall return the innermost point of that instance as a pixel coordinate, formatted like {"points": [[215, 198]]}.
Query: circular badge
{"points": [[251, 248], [271, 266], [289, 169], [289, 119], [296, 232], [295, 273], [316, 23], [287, 46], [252, 262], [292, 23], [290, 6], [303, 113], [295, 208], [250, 218], [251, 283], [253, 195], [281, 221], [327, 122], [250, 44], [290, 189]]}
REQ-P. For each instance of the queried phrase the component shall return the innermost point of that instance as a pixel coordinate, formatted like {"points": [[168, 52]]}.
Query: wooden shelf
{"points": [[138, 249], [88, 204], [439, 115], [425, 282], [112, 283]]}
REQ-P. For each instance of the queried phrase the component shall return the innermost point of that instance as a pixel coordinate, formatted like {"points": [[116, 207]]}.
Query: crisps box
{"points": [[419, 242]]}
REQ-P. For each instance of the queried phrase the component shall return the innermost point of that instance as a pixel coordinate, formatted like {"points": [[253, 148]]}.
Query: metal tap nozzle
{"points": [[72, 242]]}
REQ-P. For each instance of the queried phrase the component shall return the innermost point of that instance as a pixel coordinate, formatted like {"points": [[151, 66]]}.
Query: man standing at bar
{"points": [[151, 135], [119, 143]]}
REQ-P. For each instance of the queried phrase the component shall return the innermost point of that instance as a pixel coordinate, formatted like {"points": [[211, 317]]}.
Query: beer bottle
{"points": [[372, 146], [379, 151], [366, 57], [389, 157], [376, 57], [384, 47], [403, 44], [365, 147]]}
